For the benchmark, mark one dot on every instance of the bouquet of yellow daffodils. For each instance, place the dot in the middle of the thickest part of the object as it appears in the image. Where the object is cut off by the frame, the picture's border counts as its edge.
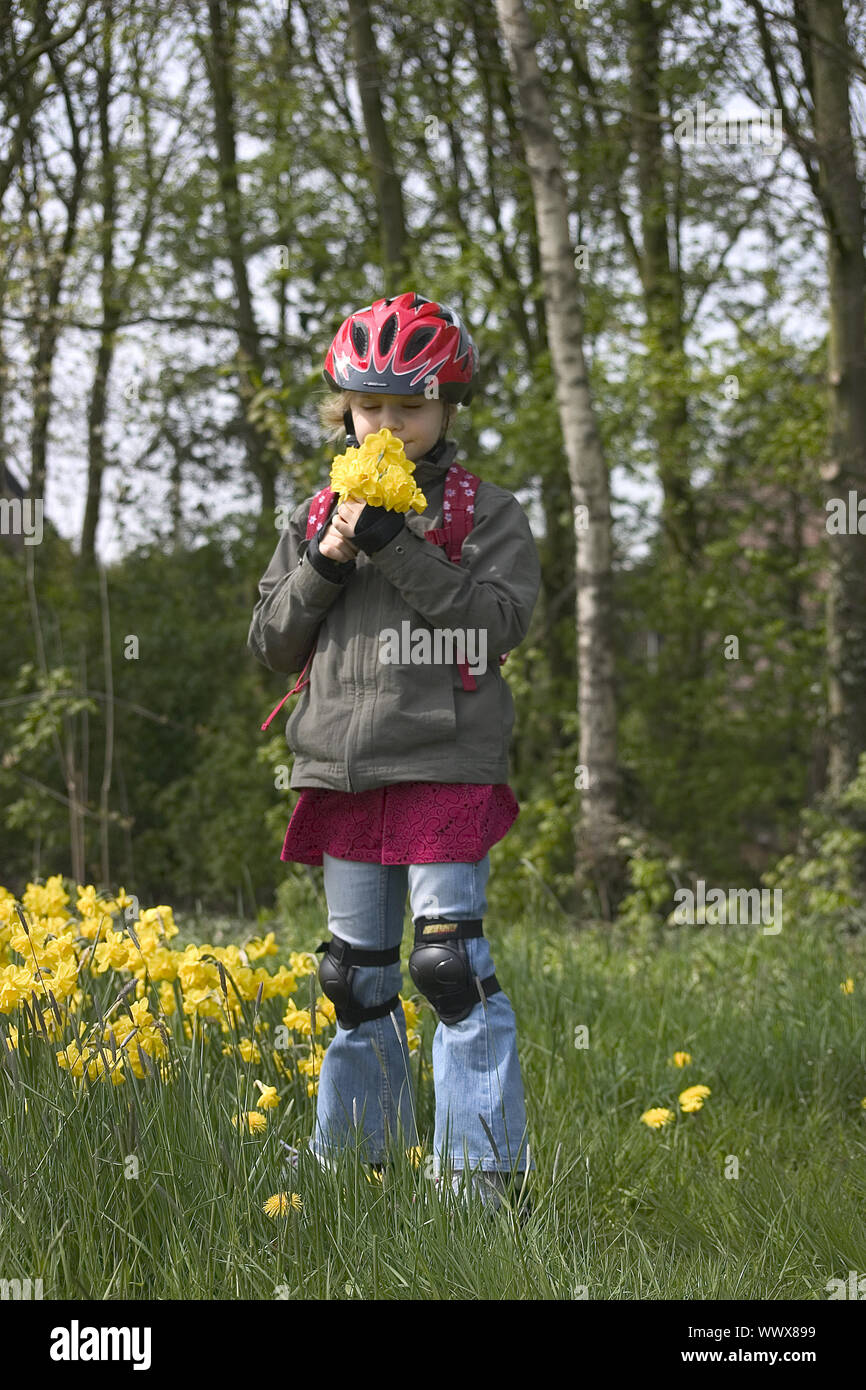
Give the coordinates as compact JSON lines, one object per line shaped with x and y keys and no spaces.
{"x":379,"y":473}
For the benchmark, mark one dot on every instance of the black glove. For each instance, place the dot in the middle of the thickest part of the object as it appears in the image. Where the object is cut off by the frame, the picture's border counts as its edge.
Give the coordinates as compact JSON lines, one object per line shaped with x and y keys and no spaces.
{"x":375,"y":527}
{"x":337,"y":571}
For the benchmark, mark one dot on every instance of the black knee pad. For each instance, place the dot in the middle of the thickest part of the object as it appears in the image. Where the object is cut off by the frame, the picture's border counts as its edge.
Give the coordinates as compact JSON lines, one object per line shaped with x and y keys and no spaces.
{"x":336,"y":975}
{"x":440,"y":967}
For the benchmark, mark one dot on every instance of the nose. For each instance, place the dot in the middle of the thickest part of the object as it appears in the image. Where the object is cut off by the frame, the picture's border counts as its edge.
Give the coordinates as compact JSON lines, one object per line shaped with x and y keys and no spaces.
{"x":392,"y":418}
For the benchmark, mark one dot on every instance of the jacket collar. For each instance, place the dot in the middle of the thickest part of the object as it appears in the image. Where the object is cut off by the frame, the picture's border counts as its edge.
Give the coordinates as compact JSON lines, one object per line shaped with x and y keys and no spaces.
{"x":426,"y":471}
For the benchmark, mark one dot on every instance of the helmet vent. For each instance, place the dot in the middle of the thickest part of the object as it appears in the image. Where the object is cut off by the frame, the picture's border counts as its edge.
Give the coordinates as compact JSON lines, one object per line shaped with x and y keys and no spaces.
{"x":419,"y":339}
{"x":360,"y":339}
{"x":387,"y":336}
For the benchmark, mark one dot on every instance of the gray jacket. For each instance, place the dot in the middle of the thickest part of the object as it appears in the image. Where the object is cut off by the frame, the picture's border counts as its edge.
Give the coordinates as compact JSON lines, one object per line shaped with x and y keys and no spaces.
{"x":369,"y":715}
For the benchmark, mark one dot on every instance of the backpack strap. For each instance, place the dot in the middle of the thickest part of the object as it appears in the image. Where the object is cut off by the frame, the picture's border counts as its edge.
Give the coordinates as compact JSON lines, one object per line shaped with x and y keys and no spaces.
{"x":458,"y":515}
{"x":319,"y":510}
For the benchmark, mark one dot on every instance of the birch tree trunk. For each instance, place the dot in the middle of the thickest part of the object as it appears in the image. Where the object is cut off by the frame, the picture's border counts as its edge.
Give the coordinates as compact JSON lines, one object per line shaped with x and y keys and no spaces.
{"x":597,"y":823}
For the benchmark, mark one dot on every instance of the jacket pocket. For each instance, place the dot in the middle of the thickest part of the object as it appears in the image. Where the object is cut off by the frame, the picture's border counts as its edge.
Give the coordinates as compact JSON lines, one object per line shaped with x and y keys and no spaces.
{"x":414,"y":706}
{"x":294,"y":736}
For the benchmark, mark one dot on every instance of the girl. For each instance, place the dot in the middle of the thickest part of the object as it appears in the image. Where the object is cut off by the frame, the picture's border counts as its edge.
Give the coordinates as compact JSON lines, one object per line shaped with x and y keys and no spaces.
{"x":403,"y":765}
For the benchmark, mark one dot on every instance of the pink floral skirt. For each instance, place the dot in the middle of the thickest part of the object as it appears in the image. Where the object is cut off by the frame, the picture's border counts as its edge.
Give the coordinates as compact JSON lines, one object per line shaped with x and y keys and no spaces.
{"x":404,"y":823}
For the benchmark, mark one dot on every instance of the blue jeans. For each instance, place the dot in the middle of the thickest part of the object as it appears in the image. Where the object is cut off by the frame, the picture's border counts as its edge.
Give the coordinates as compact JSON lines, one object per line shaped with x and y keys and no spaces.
{"x":365,"y":1082}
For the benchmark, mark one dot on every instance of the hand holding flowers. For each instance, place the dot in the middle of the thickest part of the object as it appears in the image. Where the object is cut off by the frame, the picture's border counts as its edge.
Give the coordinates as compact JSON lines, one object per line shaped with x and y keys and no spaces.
{"x":374,"y":478}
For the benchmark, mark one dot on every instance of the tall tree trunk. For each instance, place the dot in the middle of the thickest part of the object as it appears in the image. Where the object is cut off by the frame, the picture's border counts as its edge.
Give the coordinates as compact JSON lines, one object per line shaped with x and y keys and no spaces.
{"x":108,"y":677}
{"x":597,"y":827}
{"x":111,"y":309}
{"x":682,"y":656}
{"x":48,"y":317}
{"x":389,"y":194}
{"x":662,"y":289}
{"x":557,"y":554}
{"x":831,"y":168}
{"x":219,"y":57}
{"x":843,"y":209}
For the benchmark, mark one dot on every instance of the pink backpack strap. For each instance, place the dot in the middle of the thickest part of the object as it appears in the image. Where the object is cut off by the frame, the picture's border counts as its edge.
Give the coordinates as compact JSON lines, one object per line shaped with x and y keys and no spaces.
{"x":458,"y":515}
{"x":319,"y":508}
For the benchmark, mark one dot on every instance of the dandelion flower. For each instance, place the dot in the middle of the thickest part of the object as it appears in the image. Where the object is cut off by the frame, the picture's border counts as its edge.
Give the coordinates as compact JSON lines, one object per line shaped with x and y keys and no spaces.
{"x":693,"y":1098}
{"x":282,"y":1203}
{"x":656,"y":1118}
{"x":847,"y":986}
{"x":254,"y":1122}
{"x":681,"y":1059}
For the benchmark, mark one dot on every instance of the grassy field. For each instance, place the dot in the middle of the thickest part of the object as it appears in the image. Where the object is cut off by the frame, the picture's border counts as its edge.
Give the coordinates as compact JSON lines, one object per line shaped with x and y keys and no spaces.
{"x":621,"y":1210}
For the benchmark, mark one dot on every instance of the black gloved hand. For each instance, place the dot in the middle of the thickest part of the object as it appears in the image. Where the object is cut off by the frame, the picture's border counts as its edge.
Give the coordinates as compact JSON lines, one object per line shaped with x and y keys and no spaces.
{"x":375,"y":527}
{"x":337,"y":571}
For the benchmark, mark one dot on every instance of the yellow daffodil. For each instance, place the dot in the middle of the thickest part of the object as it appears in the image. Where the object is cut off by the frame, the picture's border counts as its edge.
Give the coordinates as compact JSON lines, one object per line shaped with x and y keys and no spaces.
{"x":693,"y":1098}
{"x":46,"y":900}
{"x":298,"y":1020}
{"x":249,"y":1050}
{"x":113,"y":952}
{"x":268,"y":1099}
{"x":847,"y":986}
{"x":87,"y":902}
{"x":282,"y":982}
{"x":379,"y":473}
{"x":16,"y":982}
{"x":303,"y":963}
{"x":257,"y":948}
{"x":410,"y":1011}
{"x":71,"y":1059}
{"x":656,"y":1118}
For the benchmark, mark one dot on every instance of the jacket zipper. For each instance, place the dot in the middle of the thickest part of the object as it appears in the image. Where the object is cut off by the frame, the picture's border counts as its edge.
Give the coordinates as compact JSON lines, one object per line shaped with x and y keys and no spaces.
{"x":355,"y":706}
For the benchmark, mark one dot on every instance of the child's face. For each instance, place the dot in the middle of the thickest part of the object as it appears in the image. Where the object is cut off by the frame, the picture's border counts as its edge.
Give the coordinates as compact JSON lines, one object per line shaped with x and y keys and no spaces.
{"x":413,"y":419}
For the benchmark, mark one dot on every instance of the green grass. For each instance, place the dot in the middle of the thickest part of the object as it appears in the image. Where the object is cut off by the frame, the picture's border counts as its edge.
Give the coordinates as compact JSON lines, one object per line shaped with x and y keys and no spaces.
{"x":633,"y":1213}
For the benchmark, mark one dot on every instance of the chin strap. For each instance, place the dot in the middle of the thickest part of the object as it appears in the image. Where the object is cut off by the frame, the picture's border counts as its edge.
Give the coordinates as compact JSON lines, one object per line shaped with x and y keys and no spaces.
{"x":352,"y":441}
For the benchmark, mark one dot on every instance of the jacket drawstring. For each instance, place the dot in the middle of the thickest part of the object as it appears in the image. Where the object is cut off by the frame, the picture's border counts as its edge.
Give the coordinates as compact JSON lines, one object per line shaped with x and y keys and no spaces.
{"x":298,"y":685}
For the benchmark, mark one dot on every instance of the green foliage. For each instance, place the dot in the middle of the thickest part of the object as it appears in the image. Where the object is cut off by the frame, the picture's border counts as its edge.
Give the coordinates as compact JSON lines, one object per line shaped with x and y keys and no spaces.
{"x":824,"y":880}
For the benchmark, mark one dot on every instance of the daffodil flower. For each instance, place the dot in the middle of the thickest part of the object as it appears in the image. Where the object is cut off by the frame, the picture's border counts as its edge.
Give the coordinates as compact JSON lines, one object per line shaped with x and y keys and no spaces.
{"x":378,"y":473}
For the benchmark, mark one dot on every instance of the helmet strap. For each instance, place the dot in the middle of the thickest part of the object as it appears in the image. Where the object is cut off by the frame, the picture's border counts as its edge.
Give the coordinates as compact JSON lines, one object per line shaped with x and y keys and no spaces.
{"x":351,"y":438}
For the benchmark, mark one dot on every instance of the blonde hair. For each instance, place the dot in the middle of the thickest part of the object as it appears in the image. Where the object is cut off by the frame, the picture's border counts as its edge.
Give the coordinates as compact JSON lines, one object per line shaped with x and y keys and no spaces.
{"x":334,"y":404}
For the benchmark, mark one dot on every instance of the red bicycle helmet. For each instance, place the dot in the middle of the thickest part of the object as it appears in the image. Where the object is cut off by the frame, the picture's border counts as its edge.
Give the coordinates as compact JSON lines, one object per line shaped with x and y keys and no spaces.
{"x":396,"y":345}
